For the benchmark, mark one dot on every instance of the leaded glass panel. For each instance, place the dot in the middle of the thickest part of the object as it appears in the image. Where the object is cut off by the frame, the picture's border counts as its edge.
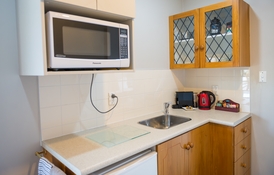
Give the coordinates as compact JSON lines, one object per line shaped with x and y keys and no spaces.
{"x":184,"y":49}
{"x":219,"y":35}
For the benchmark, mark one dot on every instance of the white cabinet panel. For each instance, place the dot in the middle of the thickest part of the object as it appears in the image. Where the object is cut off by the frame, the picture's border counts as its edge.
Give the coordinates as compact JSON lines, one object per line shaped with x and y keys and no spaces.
{"x":120,"y":7}
{"x":32,"y":34}
{"x":83,"y":3}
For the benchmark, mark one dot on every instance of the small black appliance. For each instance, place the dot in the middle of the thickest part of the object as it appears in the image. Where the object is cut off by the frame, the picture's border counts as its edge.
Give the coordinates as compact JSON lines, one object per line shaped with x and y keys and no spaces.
{"x":183,"y":99}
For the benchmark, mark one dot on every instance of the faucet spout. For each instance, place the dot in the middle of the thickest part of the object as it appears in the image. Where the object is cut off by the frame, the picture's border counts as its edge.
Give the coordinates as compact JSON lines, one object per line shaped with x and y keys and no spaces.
{"x":167,"y":116}
{"x":166,"y":105}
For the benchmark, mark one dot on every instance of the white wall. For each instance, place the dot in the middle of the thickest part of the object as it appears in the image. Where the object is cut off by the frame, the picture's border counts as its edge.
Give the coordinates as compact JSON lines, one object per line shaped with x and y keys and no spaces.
{"x":151,"y":40}
{"x":261,"y":16}
{"x":261,"y":94}
{"x":19,"y":117}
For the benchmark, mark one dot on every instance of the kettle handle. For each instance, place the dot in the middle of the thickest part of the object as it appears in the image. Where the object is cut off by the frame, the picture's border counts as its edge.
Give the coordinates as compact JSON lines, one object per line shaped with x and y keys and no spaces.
{"x":211,"y":94}
{"x":214,"y":98}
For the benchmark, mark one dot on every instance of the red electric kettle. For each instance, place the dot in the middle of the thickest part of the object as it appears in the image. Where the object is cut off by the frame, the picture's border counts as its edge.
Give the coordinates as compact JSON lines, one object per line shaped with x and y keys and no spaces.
{"x":205,"y":100}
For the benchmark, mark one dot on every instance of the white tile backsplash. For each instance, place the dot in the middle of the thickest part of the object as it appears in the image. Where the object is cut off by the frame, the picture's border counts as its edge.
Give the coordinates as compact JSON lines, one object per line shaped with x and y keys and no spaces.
{"x":51,"y":132}
{"x":49,"y":81}
{"x":70,"y":113}
{"x":65,"y":105}
{"x":51,"y":117}
{"x":233,"y":83}
{"x":70,"y":94}
{"x":69,"y":79}
{"x":50,"y":96}
{"x":227,"y":72}
{"x":72,"y":128}
{"x":214,"y":72}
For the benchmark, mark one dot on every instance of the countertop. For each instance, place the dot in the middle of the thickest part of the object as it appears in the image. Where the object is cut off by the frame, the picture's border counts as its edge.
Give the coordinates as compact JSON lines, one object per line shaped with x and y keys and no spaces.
{"x":84,"y":156}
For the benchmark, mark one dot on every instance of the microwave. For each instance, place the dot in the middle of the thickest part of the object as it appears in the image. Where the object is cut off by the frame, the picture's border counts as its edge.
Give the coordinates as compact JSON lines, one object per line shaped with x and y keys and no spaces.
{"x":76,"y":42}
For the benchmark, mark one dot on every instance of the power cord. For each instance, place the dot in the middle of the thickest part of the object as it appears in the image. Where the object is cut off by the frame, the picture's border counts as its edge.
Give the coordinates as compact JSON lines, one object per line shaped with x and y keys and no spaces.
{"x":90,"y":96}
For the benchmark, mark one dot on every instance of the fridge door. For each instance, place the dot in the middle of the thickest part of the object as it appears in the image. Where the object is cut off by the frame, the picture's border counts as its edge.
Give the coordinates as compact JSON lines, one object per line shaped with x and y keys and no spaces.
{"x":139,"y":164}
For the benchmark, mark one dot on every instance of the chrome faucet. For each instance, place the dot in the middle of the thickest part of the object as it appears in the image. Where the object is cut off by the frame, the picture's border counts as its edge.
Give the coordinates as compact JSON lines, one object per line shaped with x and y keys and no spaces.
{"x":167,"y":117}
{"x":166,"y":105}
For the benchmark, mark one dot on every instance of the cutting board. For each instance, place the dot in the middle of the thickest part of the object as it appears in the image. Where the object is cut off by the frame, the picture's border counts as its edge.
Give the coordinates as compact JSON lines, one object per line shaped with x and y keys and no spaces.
{"x":110,"y":137}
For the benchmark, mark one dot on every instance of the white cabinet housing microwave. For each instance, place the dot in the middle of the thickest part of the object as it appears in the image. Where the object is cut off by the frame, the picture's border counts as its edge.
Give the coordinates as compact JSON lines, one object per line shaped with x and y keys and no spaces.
{"x":31,"y":24}
{"x":77,"y":43}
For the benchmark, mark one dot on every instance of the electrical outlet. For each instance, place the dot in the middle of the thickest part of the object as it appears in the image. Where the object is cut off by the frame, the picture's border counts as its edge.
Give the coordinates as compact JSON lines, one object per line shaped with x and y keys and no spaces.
{"x":262,"y":76}
{"x":215,"y":89}
{"x":111,"y":101}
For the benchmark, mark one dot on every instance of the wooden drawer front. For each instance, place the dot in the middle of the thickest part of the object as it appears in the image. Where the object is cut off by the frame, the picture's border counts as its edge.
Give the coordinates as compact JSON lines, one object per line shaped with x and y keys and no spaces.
{"x":242,"y":130}
{"x":242,"y":166}
{"x":242,"y":147}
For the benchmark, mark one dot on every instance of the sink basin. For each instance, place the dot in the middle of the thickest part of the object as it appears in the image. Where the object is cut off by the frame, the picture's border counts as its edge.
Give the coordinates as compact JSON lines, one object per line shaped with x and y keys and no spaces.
{"x":160,"y":122}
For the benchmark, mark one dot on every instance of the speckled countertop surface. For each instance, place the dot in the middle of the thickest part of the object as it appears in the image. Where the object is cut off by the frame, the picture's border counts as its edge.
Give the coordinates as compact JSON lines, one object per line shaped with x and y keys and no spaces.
{"x":84,"y":156}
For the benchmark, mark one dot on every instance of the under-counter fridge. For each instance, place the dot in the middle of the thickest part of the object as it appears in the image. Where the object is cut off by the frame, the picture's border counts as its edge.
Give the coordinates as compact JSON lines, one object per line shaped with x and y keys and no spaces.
{"x":144,"y":163}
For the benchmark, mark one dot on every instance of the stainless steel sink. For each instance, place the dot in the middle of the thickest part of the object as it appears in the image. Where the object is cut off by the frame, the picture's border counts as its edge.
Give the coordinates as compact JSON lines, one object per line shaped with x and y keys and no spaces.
{"x":164,"y":122}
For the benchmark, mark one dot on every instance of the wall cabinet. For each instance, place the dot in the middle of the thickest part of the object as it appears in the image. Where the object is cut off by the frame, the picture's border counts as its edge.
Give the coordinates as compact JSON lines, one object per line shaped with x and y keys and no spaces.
{"x":82,"y":3}
{"x":185,"y":154}
{"x":32,"y":35}
{"x":119,"y":7}
{"x":210,"y":149}
{"x":212,"y":36}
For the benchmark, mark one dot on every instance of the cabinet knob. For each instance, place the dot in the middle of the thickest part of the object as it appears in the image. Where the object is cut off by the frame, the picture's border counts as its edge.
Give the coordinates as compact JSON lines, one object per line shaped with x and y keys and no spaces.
{"x":244,"y":130}
{"x":202,"y":47}
{"x":196,"y":48}
{"x":191,"y":145}
{"x":187,"y":146}
{"x":244,"y":147}
{"x":243,"y":165}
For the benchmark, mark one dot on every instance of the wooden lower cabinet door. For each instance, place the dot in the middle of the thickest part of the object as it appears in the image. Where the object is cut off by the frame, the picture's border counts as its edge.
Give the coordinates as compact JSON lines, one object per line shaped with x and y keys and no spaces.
{"x":200,"y":153}
{"x":173,"y":156}
{"x":222,"y":146}
{"x":187,"y":154}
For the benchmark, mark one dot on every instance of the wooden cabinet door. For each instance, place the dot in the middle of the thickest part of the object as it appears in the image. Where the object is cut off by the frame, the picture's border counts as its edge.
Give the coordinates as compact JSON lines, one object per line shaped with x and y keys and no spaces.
{"x":188,"y":154}
{"x":82,"y":3}
{"x":120,"y":7}
{"x":222,"y":147}
{"x":230,"y":46}
{"x":199,"y":154}
{"x":216,"y":48}
{"x":184,"y":40}
{"x":173,"y":156}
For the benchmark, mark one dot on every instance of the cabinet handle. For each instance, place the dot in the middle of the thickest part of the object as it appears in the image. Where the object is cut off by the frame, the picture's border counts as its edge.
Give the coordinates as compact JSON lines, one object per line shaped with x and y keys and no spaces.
{"x":202,"y":47}
{"x":187,"y":146}
{"x":191,"y":145}
{"x":243,"y":165}
{"x":196,"y":48}
{"x":244,"y":130}
{"x":244,"y":147}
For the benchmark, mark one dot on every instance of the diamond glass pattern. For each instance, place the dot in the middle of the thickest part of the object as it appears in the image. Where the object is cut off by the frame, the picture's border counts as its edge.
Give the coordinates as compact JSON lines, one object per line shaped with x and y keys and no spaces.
{"x":219,"y":46}
{"x":184,"y":40}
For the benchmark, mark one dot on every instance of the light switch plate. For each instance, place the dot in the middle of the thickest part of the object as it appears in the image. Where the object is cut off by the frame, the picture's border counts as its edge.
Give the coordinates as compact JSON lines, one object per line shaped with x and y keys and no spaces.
{"x":262,"y":76}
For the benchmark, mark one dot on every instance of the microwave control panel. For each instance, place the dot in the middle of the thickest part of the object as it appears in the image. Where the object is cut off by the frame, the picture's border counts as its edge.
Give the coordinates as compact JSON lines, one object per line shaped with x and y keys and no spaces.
{"x":124,"y":43}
